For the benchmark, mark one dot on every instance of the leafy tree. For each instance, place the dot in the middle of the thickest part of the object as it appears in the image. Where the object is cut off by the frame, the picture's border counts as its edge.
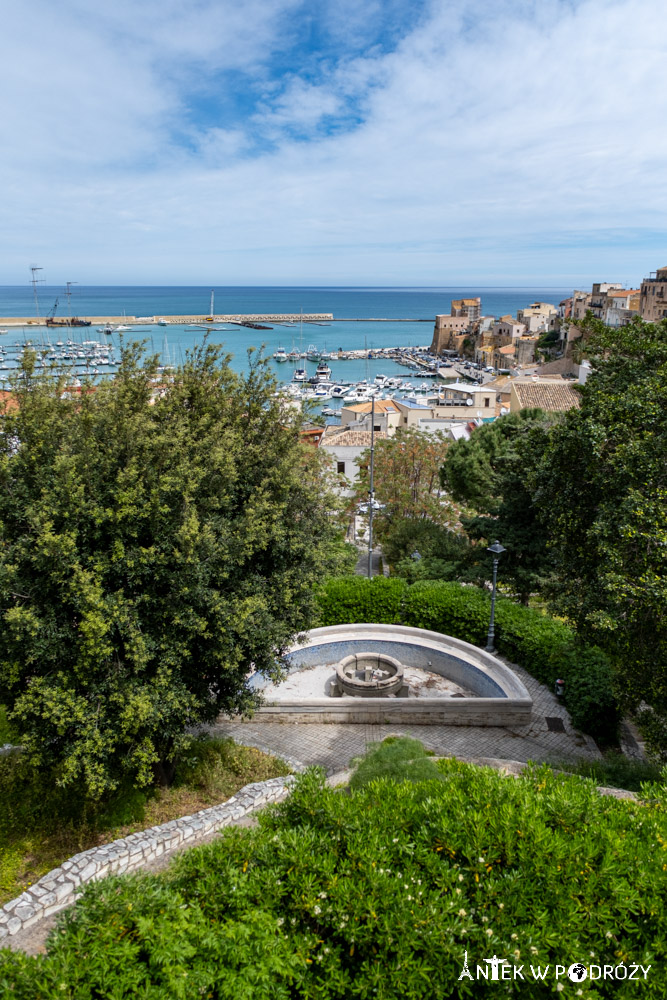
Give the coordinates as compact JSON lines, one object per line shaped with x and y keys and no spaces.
{"x":159,"y":536}
{"x":418,"y":549}
{"x":602,"y":488}
{"x":406,"y":478}
{"x":490,"y":474}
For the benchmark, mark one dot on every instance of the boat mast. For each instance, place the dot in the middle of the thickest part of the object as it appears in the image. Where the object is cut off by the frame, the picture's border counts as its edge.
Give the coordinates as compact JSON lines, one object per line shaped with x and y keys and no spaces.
{"x":68,"y":293}
{"x":210,"y":312}
{"x":34,"y":281}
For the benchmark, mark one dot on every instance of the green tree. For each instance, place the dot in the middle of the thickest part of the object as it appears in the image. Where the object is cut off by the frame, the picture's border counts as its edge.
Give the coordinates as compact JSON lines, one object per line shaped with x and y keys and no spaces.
{"x":602,"y":489}
{"x":416,"y":512}
{"x":406,"y":478}
{"x":491,"y":474}
{"x":159,"y":536}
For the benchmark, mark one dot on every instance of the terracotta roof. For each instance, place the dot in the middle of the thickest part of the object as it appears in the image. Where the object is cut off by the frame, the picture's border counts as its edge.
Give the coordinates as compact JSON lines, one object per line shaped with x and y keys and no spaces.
{"x":556,"y":395}
{"x":342,"y":438}
{"x":381,"y":406}
{"x":623,"y":293}
{"x":8,"y":402}
{"x":507,"y":350}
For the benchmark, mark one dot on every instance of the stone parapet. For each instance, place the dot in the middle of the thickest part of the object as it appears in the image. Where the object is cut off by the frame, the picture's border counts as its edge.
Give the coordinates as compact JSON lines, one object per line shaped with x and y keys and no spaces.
{"x":60,"y":887}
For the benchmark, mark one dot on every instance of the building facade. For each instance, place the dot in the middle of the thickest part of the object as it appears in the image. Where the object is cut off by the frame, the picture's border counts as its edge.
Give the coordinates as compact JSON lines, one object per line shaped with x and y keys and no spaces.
{"x":653,"y":296}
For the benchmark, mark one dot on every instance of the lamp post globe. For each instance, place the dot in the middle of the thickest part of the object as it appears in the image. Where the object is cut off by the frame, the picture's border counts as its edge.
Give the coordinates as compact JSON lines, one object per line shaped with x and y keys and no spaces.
{"x":497,"y":550}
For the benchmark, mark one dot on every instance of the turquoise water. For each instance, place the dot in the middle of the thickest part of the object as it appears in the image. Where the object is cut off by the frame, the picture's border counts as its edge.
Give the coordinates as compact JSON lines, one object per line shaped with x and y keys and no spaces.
{"x":420,"y":305}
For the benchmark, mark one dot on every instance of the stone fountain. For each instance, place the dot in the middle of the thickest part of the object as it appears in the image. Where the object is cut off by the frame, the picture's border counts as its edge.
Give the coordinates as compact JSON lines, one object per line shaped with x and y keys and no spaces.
{"x":369,"y":675}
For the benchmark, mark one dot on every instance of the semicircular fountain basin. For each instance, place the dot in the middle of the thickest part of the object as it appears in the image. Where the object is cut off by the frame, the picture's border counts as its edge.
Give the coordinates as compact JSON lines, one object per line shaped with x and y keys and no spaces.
{"x":483,"y":691}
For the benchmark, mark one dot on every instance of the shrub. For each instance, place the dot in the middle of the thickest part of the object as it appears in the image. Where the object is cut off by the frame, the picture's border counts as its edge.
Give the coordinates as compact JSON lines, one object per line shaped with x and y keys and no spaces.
{"x":450,"y":608}
{"x":395,"y":759}
{"x":357,"y":599}
{"x":378,"y":894}
{"x":615,"y":770}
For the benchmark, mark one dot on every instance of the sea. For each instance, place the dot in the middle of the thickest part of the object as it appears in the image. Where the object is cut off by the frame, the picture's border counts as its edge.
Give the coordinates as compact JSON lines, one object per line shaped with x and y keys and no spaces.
{"x":363,"y":319}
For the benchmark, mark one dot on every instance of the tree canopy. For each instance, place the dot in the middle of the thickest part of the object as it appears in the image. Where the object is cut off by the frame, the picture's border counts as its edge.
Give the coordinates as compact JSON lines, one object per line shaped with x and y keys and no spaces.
{"x":406,"y":477}
{"x":602,"y":490}
{"x":160,"y":535}
{"x":491,"y":474}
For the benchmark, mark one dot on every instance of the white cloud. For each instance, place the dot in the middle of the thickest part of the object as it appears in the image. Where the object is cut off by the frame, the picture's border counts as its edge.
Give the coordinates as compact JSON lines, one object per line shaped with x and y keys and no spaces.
{"x":495,"y":139}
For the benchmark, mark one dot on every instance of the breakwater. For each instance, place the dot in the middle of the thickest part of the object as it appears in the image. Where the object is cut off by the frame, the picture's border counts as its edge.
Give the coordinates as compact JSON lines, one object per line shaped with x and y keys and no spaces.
{"x":292,"y":318}
{"x":287,"y":318}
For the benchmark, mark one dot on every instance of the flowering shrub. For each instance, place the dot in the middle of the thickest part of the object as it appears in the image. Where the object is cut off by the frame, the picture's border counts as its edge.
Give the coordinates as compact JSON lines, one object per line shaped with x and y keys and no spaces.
{"x":378,"y":894}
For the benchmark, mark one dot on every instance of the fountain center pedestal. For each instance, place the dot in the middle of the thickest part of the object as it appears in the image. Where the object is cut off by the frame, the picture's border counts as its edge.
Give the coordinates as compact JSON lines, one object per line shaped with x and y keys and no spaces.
{"x":369,"y":675}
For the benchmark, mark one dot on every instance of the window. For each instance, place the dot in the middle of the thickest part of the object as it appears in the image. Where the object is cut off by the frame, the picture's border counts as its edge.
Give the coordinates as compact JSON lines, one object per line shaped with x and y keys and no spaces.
{"x":341,"y":467}
{"x":405,"y":420}
{"x":486,"y":401}
{"x":377,"y":427}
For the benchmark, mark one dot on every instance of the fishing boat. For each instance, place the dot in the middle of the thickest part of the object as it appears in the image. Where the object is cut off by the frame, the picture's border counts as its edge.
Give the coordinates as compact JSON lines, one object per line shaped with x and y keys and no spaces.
{"x":313,"y":353}
{"x":280,"y":355}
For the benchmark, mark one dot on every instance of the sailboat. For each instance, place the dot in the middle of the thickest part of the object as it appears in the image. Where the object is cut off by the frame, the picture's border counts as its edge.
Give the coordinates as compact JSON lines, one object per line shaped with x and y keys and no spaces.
{"x":209,"y":318}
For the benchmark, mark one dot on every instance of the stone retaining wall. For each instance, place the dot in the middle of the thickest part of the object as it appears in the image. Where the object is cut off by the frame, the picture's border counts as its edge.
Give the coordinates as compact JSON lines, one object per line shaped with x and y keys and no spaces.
{"x":59,"y":888}
{"x":399,"y":711}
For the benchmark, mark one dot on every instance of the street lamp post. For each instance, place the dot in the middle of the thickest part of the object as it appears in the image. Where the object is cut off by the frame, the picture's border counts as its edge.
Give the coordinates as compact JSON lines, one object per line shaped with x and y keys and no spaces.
{"x":371,"y":493}
{"x":497,"y":550}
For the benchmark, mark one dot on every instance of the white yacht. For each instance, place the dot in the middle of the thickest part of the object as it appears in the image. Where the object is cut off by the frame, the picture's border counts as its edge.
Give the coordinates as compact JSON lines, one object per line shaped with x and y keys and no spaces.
{"x":280,"y":354}
{"x":299,"y":375}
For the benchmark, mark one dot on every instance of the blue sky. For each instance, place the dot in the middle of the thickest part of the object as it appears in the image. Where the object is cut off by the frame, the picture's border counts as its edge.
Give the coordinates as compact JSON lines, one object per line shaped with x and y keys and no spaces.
{"x":434,"y":142}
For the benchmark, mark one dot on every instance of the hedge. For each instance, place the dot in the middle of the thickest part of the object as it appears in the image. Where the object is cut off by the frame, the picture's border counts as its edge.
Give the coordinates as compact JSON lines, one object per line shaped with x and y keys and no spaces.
{"x":357,"y":599}
{"x":548,"y":649}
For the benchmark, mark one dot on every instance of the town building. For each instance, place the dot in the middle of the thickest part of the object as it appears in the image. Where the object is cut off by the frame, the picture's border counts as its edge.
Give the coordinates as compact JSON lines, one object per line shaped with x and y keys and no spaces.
{"x":581,"y":303}
{"x":345,"y":447}
{"x":471,"y":309}
{"x":620,"y":306}
{"x":383,"y":413}
{"x":449,"y":333}
{"x":538,"y":317}
{"x":653,"y":296}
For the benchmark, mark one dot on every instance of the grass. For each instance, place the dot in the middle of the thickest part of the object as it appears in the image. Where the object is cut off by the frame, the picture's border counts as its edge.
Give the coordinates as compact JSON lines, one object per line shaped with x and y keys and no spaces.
{"x":614,"y":771}
{"x":41,"y":825}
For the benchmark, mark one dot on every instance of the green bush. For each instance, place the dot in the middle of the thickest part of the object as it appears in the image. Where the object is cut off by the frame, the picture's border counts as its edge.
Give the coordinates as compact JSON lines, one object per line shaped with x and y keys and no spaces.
{"x":547,"y":648}
{"x":589,"y":696}
{"x":357,"y":599}
{"x":396,"y":759}
{"x":615,"y":770}
{"x":379,"y":894}
{"x":461,"y":611}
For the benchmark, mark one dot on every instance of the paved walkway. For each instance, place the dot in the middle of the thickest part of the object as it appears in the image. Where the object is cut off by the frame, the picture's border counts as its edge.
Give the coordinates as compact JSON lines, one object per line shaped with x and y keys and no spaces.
{"x":333,"y":745}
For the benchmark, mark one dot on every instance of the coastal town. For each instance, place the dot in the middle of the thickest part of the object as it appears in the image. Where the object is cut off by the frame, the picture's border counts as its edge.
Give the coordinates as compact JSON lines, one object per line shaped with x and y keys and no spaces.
{"x":483,"y":367}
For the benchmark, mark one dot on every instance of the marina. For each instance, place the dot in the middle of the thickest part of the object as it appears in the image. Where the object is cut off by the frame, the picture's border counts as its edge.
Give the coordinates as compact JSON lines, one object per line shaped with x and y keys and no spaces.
{"x":309,"y":327}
